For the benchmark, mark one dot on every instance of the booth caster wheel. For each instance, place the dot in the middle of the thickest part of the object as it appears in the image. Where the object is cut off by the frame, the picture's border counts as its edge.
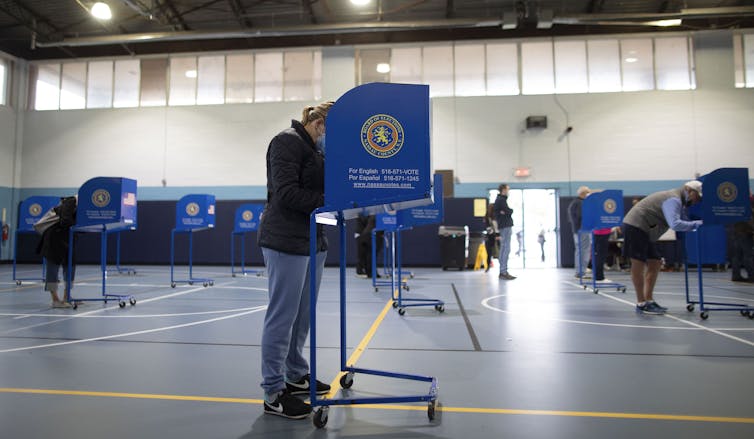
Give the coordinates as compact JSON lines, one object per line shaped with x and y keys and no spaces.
{"x":172,"y":284}
{"x":212,"y":283}
{"x":395,"y":304}
{"x":431,"y":410}
{"x":411,"y":275}
{"x":704,"y":315}
{"x":751,"y":315}
{"x":74,"y":305}
{"x":402,"y":311}
{"x":234,"y":275}
{"x":205,"y":284}
{"x":191,"y":282}
{"x":440,"y":308}
{"x":405,"y":287}
{"x":122,"y":304}
{"x":689,"y":307}
{"x":346,"y":381}
{"x":259,"y":274}
{"x":376,"y":290}
{"x":622,"y":290}
{"x":596,"y":291}
{"x":320,"y":417}
{"x":18,"y":283}
{"x":132,"y":301}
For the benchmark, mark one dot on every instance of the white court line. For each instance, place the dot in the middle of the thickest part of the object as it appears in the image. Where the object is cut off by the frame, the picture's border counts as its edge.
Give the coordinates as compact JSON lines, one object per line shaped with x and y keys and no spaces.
{"x":678,"y":319}
{"x":128,"y":334}
{"x":131,"y":316}
{"x":134,"y":284}
{"x":87,"y":313}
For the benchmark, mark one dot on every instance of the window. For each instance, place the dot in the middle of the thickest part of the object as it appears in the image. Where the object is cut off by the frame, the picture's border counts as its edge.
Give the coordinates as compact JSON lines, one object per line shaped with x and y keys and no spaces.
{"x":3,"y":82}
{"x":73,"y":86}
{"x":469,"y":70}
{"x":239,"y":77}
{"x":368,"y":62}
{"x":182,"y":81}
{"x":604,"y":65}
{"x":406,"y":65}
{"x":672,"y":67}
{"x":210,"y":87}
{"x":743,"y":52}
{"x":153,"y":82}
{"x":537,"y":76}
{"x":126,"y":83}
{"x":570,"y":67}
{"x":268,"y":77}
{"x":297,"y":76}
{"x":47,"y":87}
{"x":437,"y":68}
{"x":637,"y":64}
{"x":502,"y":69}
{"x":99,"y":87}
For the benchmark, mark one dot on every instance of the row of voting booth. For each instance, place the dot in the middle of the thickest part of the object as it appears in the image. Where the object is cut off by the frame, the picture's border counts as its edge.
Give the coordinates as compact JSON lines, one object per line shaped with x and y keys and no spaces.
{"x":725,"y":200}
{"x":108,"y":205}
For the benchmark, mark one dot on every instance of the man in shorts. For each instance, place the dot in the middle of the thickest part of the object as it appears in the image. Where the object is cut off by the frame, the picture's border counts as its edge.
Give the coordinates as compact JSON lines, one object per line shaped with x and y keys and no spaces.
{"x":643,"y":225}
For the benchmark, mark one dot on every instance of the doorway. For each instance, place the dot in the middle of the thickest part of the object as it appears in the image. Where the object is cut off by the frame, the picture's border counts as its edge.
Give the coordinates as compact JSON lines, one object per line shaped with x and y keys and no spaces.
{"x":534,"y":241}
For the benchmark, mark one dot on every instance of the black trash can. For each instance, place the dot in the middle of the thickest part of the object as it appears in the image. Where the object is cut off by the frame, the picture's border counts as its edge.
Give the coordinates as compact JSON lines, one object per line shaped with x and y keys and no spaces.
{"x":454,"y":245}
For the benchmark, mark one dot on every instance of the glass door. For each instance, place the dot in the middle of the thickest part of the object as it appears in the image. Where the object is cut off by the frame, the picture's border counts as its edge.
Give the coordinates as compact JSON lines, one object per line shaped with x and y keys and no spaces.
{"x":534,"y":242}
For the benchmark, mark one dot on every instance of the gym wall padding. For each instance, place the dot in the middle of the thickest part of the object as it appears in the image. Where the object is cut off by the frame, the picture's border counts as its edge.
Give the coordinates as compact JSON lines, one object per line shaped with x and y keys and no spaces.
{"x":149,"y":244}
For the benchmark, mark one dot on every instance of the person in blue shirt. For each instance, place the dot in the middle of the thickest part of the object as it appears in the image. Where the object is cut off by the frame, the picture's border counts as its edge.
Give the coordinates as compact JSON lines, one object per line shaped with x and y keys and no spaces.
{"x":643,"y":226}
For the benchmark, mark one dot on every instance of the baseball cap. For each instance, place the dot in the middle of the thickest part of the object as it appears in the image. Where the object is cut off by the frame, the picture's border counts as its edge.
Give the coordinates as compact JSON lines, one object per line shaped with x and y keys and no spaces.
{"x":694,"y":185}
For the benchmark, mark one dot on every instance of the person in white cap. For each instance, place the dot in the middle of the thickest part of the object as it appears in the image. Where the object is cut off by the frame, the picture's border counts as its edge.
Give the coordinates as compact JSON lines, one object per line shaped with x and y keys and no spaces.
{"x":643,"y":225}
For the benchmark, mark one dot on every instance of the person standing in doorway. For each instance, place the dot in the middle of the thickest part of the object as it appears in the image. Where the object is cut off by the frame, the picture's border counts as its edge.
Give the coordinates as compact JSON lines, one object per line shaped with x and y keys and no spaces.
{"x":295,"y":187}
{"x":582,"y":242}
{"x":643,"y":226}
{"x":504,"y":215}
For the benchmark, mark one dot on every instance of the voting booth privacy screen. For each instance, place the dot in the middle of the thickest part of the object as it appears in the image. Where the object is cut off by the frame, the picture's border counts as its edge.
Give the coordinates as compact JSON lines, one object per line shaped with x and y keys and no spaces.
{"x":725,"y":200}
{"x":32,"y":209}
{"x":195,"y":211}
{"x":108,"y":202}
{"x":378,"y":149}
{"x":602,"y":210}
{"x":247,"y":218}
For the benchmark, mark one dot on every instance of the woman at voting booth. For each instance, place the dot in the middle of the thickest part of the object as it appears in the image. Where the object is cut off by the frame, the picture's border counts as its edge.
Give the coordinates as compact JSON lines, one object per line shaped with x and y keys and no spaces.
{"x":54,"y":247}
{"x":295,"y":188}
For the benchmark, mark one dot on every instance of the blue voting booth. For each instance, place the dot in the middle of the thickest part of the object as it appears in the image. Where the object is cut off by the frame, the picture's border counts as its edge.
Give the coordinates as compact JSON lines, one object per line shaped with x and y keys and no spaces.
{"x":30,"y":211}
{"x":725,"y":200}
{"x":193,"y":213}
{"x":600,"y":210}
{"x":246,"y":221}
{"x":105,"y":205}
{"x":393,"y":224}
{"x":378,"y":160}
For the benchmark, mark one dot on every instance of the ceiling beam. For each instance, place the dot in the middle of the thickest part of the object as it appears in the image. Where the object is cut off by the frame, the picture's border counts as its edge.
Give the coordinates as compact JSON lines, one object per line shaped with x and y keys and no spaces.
{"x":307,"y":5}
{"x":28,"y":18}
{"x":595,"y":6}
{"x":174,"y":18}
{"x":239,"y":11}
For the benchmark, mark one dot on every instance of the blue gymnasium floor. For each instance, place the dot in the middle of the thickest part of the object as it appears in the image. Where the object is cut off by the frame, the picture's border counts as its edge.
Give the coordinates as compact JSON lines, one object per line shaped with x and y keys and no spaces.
{"x":536,"y":357}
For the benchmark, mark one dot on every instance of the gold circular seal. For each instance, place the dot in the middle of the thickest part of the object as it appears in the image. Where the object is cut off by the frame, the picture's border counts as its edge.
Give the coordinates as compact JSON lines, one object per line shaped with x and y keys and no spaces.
{"x":247,"y":215}
{"x":610,"y":205}
{"x":101,"y":198}
{"x":192,"y":209}
{"x":727,"y":192}
{"x":382,"y":136}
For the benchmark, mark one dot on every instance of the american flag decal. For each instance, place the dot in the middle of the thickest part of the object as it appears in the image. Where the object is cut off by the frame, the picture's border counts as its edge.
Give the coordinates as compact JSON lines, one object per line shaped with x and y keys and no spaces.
{"x":129,"y":199}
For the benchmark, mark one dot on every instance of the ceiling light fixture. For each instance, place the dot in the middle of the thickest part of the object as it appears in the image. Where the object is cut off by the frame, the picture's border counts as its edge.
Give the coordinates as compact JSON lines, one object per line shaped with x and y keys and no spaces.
{"x":383,"y":67}
{"x":191,"y":73}
{"x":360,"y":2}
{"x":101,"y":11}
{"x":665,"y":23}
{"x":631,"y":59}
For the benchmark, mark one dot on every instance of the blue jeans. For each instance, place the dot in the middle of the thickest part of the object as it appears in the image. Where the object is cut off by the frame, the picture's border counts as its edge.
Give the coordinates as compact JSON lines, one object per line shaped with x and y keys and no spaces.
{"x":505,"y":248}
{"x":286,"y":323}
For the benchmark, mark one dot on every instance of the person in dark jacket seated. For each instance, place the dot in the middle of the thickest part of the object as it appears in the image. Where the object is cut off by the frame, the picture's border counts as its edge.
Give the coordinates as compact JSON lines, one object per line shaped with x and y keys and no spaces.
{"x":295,"y":188}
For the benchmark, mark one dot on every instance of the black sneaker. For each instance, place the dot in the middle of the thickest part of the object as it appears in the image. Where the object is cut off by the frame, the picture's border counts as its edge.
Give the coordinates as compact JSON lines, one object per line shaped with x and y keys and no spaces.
{"x":287,"y":406}
{"x":301,"y":387}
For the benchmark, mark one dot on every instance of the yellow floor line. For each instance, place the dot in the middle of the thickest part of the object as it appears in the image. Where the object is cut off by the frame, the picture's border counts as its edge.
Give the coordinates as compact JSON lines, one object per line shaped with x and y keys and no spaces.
{"x":335,"y":384}
{"x":441,"y":408}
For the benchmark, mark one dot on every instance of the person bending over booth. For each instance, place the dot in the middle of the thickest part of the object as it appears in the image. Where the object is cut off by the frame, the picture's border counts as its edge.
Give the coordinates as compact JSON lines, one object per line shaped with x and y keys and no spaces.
{"x":643,"y":226}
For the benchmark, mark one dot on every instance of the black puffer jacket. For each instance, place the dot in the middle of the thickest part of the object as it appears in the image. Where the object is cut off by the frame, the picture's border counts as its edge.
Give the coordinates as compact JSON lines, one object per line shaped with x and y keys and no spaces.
{"x":295,"y":187}
{"x":54,"y":243}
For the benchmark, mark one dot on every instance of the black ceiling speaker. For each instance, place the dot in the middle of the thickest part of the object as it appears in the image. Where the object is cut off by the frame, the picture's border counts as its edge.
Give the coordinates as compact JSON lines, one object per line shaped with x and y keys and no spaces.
{"x":535,"y":122}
